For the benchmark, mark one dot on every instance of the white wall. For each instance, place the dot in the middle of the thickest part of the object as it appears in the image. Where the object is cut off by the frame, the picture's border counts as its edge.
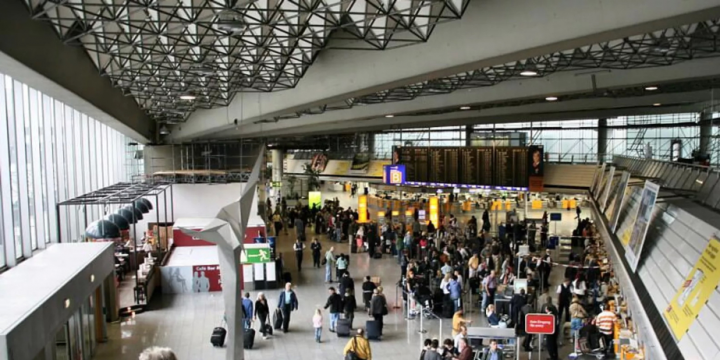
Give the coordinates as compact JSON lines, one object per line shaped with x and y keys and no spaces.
{"x":198,"y":201}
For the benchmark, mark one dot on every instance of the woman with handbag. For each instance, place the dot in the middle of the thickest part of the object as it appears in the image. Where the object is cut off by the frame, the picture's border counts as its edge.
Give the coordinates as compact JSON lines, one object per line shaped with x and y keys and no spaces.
{"x":358,"y":348}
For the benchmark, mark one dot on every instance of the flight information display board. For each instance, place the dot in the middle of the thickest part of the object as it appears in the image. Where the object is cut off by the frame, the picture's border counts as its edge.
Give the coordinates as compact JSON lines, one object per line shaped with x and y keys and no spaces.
{"x":478,"y":167}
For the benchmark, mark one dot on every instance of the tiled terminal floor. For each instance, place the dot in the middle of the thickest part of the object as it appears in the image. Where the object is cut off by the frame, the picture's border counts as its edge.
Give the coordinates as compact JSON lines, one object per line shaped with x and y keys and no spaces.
{"x":184,"y":322}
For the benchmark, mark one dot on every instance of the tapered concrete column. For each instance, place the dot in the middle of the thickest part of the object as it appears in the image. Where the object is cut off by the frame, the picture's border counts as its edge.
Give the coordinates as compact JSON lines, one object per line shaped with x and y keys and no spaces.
{"x":705,"y":131}
{"x":277,"y":164}
{"x":602,"y":140}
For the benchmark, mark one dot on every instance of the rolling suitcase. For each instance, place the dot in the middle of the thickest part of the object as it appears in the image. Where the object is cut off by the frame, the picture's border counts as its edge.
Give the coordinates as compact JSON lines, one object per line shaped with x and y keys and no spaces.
{"x":448,"y":309}
{"x":342,"y":329}
{"x":269,"y":329}
{"x":277,"y":319}
{"x":372,"y":330}
{"x":218,"y":337}
{"x":248,"y":338}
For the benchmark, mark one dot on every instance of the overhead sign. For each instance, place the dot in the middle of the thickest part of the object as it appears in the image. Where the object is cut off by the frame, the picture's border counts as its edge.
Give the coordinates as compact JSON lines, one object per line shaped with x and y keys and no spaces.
{"x":695,"y":291}
{"x":543,"y":324}
{"x":394,"y":174}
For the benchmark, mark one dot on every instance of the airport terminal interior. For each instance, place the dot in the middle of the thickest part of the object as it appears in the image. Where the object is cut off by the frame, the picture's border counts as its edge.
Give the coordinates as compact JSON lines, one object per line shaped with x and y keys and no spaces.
{"x":359,"y":179}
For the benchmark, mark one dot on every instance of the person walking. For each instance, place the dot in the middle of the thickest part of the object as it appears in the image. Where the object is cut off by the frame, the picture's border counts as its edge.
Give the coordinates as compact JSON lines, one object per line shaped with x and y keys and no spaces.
{"x":342,"y":265}
{"x":346,"y":284}
{"x":335,"y":303}
{"x":277,"y":222}
{"x":317,"y":324}
{"x":368,"y":288}
{"x":287,"y":302}
{"x":349,"y":306}
{"x":298,"y":247}
{"x":262,"y":311}
{"x":329,"y":263}
{"x":316,"y":248}
{"x":247,"y":305}
{"x":300,"y":229}
{"x":378,"y":307}
{"x":358,"y":345}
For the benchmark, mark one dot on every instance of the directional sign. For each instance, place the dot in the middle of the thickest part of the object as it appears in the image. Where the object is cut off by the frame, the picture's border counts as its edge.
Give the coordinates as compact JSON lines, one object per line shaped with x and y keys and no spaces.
{"x":540,"y":324}
{"x":257,"y":256}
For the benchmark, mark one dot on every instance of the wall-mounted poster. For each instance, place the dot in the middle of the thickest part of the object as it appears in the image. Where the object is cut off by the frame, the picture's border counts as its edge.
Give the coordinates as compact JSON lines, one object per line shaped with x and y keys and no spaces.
{"x":206,"y":278}
{"x":608,"y":186}
{"x":695,"y":291}
{"x":613,"y":212}
{"x":642,"y":220}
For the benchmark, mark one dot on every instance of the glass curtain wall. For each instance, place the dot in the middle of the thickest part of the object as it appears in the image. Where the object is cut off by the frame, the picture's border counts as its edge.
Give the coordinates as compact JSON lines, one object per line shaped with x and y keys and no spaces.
{"x":49,"y":152}
{"x":437,"y":136}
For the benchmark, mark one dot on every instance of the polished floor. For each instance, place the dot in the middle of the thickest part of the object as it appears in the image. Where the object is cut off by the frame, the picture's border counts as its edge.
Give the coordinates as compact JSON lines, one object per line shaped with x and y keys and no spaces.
{"x":185,"y":322}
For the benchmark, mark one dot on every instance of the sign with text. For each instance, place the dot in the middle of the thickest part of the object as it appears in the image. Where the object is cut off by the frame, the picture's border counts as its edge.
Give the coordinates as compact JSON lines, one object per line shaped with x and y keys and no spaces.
{"x":543,"y":324}
{"x":206,"y":278}
{"x":394,"y":174}
{"x":694,"y":291}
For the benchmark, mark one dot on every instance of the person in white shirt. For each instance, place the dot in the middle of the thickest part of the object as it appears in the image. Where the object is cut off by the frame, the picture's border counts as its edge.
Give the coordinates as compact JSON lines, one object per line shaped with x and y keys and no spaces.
{"x":446,"y":269}
{"x":444,"y":285}
{"x":461,"y":335}
{"x":579,"y":286}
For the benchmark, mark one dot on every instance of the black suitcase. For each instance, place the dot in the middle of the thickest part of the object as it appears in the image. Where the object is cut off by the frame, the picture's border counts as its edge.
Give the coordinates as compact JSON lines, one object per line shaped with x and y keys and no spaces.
{"x":342,"y":329}
{"x":269,"y":329}
{"x":372,"y":330}
{"x":277,"y":319}
{"x":218,"y":337}
{"x":248,"y":338}
{"x":377,"y":255}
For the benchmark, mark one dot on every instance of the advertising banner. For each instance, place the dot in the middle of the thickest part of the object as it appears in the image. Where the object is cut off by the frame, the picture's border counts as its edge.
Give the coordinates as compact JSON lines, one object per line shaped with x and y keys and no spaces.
{"x":394,"y":174}
{"x":597,"y":179}
{"x":613,"y":213}
{"x":319,"y":161}
{"x":695,"y":291}
{"x":377,"y":167}
{"x":206,"y":278}
{"x":536,"y":160}
{"x":360,"y":163}
{"x":315,"y":199}
{"x":636,"y":239}
{"x":608,"y":186}
{"x":362,"y":209}
{"x":434,"y":211}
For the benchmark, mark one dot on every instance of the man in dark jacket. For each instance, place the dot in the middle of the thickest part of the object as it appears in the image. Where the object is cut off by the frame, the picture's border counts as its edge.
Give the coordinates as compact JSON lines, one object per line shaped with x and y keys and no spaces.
{"x":287,"y":303}
{"x":346,"y":283}
{"x":335,"y":303}
{"x":378,"y":308}
{"x":316,"y":248}
{"x":368,"y":287}
{"x":520,"y":327}
{"x":516,"y":304}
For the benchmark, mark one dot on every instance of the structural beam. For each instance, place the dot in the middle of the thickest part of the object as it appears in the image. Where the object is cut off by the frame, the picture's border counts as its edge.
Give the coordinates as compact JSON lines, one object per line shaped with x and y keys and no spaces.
{"x":363,"y":118}
{"x":491,"y":32}
{"x":33,"y":53}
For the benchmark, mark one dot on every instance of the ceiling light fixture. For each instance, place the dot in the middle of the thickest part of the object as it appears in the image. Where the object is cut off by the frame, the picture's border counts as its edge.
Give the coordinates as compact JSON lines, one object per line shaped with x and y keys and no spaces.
{"x":657,"y":104}
{"x":67,"y":303}
{"x":389,"y":115}
{"x":464,"y":108}
{"x":551,"y":98}
{"x":651,"y":88}
{"x":187,"y":97}
{"x":164,"y":130}
{"x":528,"y":73}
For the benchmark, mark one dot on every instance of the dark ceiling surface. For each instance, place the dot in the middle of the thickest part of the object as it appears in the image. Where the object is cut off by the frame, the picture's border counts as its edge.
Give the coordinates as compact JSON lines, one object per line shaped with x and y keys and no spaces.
{"x":36,"y":45}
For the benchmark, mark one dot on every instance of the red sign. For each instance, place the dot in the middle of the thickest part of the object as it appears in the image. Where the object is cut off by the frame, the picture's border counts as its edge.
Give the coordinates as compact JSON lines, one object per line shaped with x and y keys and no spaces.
{"x":206,"y":278}
{"x":540,"y":324}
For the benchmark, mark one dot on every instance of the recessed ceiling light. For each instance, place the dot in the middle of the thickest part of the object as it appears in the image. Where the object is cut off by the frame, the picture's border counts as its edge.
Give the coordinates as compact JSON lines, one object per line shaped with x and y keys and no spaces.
{"x":551,"y":98}
{"x":92,"y":277}
{"x":187,"y":97}
{"x":389,"y":115}
{"x":67,"y":303}
{"x":529,"y":73}
{"x":464,"y":108}
{"x":651,"y":88}
{"x":657,"y":104}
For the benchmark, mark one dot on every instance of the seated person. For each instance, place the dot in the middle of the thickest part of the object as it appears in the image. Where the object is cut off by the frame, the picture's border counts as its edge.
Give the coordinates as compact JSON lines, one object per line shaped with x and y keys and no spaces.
{"x":493,"y":318}
{"x":493,"y":353}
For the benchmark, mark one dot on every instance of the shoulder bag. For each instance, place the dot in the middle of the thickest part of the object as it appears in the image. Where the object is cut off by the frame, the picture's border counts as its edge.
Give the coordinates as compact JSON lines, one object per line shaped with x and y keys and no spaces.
{"x":351,"y":354}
